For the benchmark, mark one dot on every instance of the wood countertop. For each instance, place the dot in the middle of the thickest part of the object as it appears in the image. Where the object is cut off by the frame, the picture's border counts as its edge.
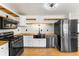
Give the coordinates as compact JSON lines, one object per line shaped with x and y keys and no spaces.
{"x":31,"y":34}
{"x":3,"y":42}
{"x":25,"y":34}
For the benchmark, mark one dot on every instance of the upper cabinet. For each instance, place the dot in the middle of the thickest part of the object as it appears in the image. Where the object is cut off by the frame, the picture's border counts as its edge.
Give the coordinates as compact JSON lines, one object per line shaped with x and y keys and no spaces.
{"x":6,"y":23}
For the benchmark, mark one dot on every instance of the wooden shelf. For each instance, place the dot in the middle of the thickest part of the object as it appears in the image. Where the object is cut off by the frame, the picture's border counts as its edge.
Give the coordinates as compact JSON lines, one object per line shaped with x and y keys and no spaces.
{"x":3,"y":42}
{"x":40,"y":23}
{"x":31,"y":19}
{"x":54,"y":19}
{"x":9,"y":19}
{"x":8,"y":11}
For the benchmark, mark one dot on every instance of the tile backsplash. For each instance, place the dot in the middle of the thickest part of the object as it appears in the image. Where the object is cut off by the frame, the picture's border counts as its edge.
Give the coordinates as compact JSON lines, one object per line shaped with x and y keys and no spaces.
{"x":35,"y":28}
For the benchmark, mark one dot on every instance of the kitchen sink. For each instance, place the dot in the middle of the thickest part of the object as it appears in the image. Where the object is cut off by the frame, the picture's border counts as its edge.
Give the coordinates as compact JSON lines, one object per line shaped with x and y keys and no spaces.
{"x":39,"y":36}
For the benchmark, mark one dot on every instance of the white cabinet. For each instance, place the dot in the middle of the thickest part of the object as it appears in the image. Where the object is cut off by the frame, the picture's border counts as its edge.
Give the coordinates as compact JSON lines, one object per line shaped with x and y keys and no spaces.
{"x":42,"y":43}
{"x":36,"y":43}
{"x":4,"y":50}
{"x":29,"y":41}
{"x":39,"y":43}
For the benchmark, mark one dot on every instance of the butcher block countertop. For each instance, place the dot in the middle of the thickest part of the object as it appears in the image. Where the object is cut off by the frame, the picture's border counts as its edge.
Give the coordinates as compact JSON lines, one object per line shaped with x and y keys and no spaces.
{"x":3,"y":42}
{"x":25,"y":34}
{"x":31,"y":34}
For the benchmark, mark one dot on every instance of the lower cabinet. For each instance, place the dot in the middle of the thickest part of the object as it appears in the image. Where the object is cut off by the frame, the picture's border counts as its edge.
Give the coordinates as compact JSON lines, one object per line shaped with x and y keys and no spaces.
{"x":4,"y":50}
{"x":27,"y":41}
{"x":35,"y":43}
{"x":39,"y":42}
{"x":42,"y":43}
{"x":30,"y":42}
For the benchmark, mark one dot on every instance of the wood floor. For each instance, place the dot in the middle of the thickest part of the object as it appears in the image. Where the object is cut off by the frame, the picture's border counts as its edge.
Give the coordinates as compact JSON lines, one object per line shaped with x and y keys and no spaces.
{"x":47,"y":52}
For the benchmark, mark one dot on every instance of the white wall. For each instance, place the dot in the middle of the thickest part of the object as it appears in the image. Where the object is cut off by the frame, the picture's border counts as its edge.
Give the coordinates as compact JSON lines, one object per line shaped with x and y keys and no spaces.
{"x":34,"y":28}
{"x":74,"y":15}
{"x":39,"y":19}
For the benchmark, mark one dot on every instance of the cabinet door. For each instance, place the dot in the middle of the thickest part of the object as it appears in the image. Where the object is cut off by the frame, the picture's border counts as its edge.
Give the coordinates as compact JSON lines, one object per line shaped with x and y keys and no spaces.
{"x":4,"y":50}
{"x":36,"y":43}
{"x":39,"y":42}
{"x":28,"y":41}
{"x":42,"y":43}
{"x":25,"y":38}
{"x":30,"y":37}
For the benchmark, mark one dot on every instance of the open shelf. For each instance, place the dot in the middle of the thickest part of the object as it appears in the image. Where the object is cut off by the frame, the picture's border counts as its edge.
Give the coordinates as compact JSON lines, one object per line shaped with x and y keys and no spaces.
{"x":31,"y":19}
{"x":8,"y":11}
{"x":54,"y":19}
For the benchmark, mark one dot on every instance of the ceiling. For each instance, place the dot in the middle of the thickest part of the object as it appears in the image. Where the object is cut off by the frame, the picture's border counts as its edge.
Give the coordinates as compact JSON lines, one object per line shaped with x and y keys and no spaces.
{"x":39,"y":9}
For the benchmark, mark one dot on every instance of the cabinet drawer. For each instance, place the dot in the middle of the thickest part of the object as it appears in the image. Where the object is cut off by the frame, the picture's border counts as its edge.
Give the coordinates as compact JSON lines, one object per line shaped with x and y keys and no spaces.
{"x":42,"y":43}
{"x":28,"y":37}
{"x":4,"y":53}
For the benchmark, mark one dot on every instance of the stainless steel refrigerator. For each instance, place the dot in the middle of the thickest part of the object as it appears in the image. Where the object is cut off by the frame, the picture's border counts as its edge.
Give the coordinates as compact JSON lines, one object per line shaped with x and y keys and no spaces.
{"x":67,"y":35}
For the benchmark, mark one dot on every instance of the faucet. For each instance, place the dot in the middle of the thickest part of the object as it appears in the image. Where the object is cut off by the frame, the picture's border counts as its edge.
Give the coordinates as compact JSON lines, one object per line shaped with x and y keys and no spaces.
{"x":39,"y":30}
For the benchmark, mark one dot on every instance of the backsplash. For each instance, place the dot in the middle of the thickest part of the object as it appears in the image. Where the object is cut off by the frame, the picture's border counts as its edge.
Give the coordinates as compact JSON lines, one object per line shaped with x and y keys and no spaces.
{"x":35,"y":28}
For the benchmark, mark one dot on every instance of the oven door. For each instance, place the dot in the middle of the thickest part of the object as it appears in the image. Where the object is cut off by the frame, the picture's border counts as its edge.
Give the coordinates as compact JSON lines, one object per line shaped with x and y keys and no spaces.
{"x":17,"y":46}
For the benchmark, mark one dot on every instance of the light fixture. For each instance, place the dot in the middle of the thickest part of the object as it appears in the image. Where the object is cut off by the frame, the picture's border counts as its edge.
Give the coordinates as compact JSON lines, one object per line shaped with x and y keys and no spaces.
{"x":50,"y":6}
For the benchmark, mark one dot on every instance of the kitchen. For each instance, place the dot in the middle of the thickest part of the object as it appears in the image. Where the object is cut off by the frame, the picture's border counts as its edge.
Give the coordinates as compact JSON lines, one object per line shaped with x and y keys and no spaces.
{"x":41,"y":28}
